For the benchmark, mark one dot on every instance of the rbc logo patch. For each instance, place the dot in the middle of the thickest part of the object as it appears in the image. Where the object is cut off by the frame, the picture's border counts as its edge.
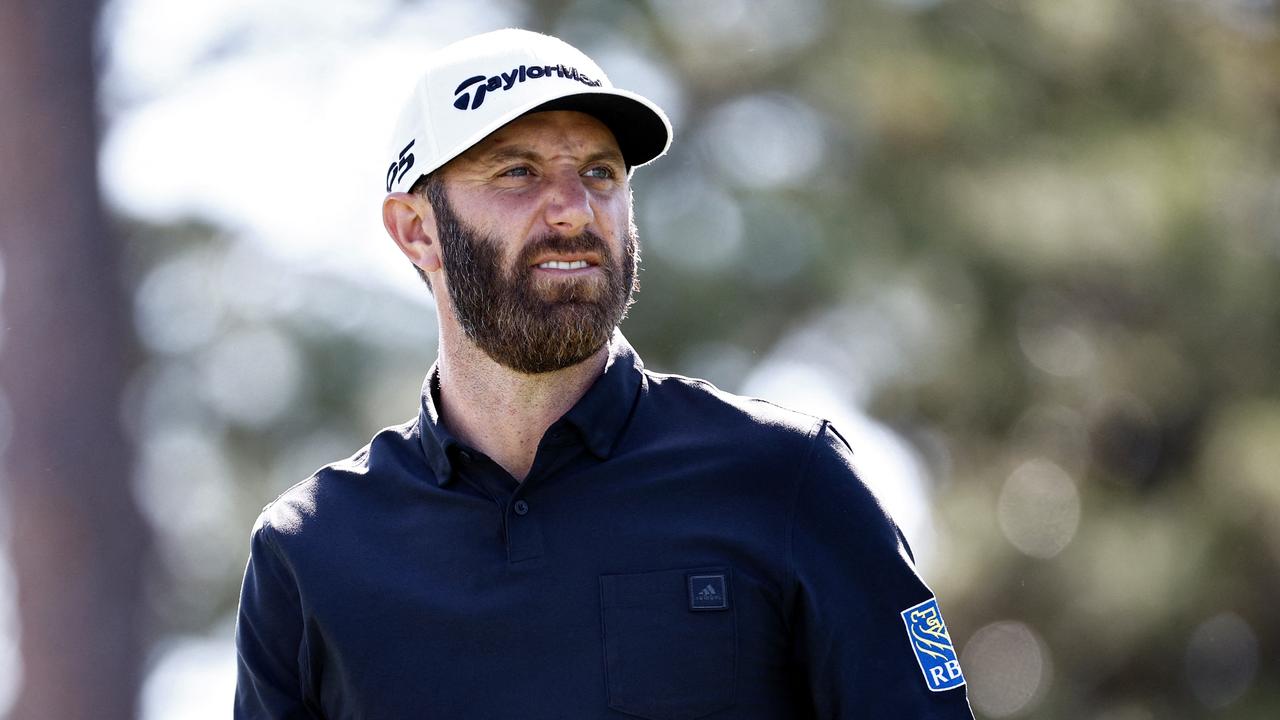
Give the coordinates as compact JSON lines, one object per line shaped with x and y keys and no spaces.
{"x":932,"y":645}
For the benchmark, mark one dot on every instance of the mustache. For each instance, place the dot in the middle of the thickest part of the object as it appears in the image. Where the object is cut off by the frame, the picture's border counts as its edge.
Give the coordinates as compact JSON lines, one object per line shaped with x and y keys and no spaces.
{"x":585,"y":241}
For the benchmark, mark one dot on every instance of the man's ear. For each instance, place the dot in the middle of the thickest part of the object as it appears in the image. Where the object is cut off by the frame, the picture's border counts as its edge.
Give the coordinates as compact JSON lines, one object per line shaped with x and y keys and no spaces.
{"x":411,"y":223}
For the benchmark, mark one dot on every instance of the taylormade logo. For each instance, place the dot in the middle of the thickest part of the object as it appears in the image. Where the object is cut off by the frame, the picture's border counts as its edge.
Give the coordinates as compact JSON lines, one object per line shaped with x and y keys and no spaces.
{"x":507,"y":80}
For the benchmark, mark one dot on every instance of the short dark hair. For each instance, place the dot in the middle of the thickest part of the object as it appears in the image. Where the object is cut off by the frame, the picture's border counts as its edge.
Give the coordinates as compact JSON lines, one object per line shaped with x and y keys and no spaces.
{"x":431,"y":187}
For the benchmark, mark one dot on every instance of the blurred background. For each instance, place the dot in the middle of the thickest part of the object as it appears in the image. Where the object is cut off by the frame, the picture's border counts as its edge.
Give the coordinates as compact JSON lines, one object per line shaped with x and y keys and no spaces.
{"x":1025,"y":252}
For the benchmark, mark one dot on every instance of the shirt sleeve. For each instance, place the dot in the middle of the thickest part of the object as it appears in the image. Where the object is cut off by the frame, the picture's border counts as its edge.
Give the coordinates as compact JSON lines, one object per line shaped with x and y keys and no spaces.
{"x":867,"y":630}
{"x":269,"y":638}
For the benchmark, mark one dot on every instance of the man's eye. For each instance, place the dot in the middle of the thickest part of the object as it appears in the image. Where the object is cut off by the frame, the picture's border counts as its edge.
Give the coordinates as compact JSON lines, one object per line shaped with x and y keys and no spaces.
{"x":520,"y":171}
{"x":602,"y":172}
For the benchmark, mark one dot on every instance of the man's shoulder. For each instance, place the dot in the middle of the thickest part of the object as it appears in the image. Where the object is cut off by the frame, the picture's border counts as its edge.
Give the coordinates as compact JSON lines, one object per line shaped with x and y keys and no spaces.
{"x":701,"y":401}
{"x":337,"y":488}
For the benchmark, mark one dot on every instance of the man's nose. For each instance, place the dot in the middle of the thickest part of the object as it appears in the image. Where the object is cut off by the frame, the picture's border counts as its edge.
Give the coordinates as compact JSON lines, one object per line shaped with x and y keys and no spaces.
{"x":568,"y":208}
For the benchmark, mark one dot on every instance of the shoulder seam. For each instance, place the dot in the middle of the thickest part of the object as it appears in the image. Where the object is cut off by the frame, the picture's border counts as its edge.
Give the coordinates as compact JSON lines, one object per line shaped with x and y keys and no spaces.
{"x":802,"y":475}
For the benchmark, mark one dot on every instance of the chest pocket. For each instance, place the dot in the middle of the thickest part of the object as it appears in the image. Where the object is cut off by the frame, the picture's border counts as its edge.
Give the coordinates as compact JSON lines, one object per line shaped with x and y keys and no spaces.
{"x":670,"y":642}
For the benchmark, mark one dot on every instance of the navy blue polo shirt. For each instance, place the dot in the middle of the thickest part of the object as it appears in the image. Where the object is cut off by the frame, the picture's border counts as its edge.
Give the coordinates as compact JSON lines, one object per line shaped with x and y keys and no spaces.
{"x":675,"y":552}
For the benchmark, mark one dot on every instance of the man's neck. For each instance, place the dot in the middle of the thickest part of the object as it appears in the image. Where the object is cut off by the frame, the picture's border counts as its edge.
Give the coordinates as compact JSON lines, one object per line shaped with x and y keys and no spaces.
{"x":504,"y":413}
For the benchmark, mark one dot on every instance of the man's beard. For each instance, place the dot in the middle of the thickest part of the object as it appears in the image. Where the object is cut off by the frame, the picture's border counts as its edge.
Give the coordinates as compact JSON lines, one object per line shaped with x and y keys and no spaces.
{"x":524,"y":323}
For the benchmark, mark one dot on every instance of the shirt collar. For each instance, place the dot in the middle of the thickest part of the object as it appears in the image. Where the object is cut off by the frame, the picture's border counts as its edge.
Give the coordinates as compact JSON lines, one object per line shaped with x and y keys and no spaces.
{"x":599,"y":416}
{"x":437,"y":441}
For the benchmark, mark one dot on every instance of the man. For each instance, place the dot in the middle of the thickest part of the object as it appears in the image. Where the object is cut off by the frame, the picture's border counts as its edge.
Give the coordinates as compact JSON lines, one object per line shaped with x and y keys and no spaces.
{"x":562,"y":533}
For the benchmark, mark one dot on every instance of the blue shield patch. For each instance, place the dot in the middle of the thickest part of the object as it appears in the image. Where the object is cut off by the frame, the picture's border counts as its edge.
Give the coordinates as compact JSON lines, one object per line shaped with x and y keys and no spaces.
{"x":932,"y":645}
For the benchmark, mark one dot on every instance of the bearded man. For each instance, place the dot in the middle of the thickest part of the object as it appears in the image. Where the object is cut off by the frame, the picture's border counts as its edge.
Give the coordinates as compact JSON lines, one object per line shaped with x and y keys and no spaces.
{"x":561,"y":533}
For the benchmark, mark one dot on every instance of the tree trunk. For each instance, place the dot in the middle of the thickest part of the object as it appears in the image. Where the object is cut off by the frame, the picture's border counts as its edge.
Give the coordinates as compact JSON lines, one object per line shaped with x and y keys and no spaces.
{"x":78,"y":541}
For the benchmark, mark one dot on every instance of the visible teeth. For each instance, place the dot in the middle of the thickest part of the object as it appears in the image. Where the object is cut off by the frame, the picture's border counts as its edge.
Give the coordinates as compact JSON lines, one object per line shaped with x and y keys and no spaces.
{"x":563,"y":265}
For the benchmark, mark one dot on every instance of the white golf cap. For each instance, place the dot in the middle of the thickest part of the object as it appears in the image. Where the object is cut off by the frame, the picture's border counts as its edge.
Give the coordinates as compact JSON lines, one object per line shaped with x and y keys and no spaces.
{"x":479,"y":84}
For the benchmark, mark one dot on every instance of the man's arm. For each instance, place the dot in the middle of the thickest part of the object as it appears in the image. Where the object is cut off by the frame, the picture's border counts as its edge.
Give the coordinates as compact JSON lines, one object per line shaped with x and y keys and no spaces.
{"x":867,"y":630}
{"x":269,"y":638}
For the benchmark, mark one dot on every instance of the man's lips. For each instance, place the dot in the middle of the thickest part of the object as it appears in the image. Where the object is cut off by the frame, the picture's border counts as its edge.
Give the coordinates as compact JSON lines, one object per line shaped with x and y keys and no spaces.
{"x":566,"y":262}
{"x":563,"y":265}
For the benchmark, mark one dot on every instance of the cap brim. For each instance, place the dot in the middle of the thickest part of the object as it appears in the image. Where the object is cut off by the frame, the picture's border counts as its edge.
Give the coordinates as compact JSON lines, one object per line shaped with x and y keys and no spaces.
{"x":641,"y":128}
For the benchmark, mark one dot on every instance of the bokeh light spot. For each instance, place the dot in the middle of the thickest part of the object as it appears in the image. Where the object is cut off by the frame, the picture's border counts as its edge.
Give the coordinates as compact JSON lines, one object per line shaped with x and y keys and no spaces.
{"x":1050,"y":340}
{"x":765,"y":141}
{"x":692,"y":224}
{"x":1221,"y":660}
{"x":1039,"y":509}
{"x":178,"y":306}
{"x":251,"y":376}
{"x":1008,"y":669}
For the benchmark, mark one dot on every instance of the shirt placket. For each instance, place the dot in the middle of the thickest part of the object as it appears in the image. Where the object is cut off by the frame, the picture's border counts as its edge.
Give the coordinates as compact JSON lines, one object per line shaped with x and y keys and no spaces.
{"x":521,"y":528}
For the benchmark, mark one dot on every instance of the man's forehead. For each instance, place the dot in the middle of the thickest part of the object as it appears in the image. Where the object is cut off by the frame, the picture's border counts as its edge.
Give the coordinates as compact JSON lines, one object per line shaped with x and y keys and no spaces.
{"x":546,"y":133}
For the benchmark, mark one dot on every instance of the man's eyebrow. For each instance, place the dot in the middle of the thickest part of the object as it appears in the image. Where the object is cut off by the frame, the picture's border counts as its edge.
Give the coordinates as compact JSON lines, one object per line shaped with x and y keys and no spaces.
{"x":508,"y":154}
{"x":606,"y":155}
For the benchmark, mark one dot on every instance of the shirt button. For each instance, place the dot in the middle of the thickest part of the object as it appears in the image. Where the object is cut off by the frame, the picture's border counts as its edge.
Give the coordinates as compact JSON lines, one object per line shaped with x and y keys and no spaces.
{"x":521,"y":507}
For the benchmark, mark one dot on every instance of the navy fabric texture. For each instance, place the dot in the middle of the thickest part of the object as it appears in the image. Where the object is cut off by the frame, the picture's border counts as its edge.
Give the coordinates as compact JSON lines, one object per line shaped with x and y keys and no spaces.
{"x":676,"y":552}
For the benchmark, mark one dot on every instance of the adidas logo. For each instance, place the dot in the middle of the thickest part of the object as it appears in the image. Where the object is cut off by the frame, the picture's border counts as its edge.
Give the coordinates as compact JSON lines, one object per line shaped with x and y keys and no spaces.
{"x":708,"y":592}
